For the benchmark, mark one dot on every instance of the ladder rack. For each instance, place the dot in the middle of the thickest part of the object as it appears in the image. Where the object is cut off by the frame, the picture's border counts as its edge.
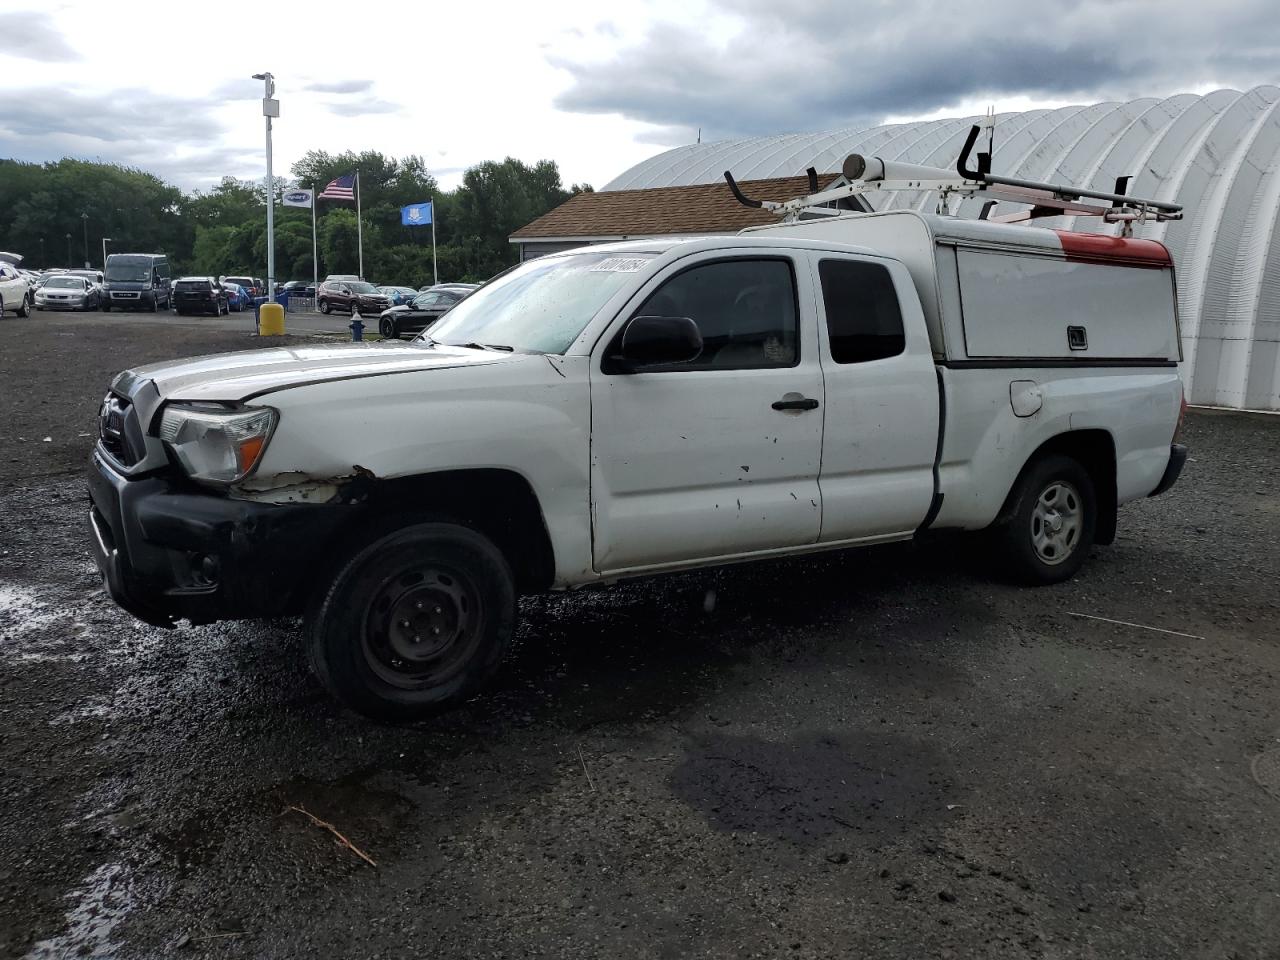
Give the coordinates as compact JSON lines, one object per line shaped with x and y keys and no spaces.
{"x":869,"y":175}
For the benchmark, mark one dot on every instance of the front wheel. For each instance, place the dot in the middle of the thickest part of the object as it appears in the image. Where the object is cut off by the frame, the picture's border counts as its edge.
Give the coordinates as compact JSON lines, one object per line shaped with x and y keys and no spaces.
{"x":387,"y":328}
{"x":324,"y":307}
{"x":1049,"y":531}
{"x":414,"y":623}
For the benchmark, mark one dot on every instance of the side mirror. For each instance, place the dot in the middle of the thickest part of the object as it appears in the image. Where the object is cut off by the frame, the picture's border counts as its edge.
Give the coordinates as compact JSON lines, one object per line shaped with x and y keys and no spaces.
{"x":656,"y":341}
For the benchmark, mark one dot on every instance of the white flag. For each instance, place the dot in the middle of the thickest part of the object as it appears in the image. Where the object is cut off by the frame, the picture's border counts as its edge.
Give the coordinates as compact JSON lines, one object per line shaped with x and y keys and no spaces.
{"x":297,"y":198}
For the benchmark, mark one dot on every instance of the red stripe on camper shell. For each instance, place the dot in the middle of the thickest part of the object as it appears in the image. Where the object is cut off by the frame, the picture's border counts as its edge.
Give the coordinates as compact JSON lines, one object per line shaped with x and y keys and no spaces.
{"x":1127,"y":251}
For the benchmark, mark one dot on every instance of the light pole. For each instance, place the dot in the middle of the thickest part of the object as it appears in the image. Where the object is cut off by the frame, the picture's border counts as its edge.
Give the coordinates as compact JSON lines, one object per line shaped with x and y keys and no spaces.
{"x":68,"y":248}
{"x":104,"y":254}
{"x":270,"y":110}
{"x":84,"y":220}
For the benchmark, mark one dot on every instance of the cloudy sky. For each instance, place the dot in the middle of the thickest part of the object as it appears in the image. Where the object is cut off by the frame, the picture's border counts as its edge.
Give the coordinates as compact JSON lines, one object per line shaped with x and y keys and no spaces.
{"x":596,"y":87}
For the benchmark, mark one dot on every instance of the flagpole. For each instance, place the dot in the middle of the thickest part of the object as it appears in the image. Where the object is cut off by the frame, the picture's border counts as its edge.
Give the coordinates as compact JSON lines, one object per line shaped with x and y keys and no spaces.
{"x":359,"y":227}
{"x":315,"y":256}
{"x":435,"y":273}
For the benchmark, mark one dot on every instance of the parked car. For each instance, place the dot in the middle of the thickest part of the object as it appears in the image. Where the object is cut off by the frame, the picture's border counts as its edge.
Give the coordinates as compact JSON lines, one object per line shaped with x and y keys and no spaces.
{"x":15,"y":290}
{"x":398,"y":295}
{"x":628,"y":409}
{"x":248,"y":283}
{"x":93,"y":276}
{"x":297,"y":288}
{"x":350,"y":296}
{"x":68,"y":292}
{"x":424,"y":310}
{"x":200,"y":295}
{"x":341,"y":276}
{"x":238,"y":297}
{"x":137,"y":281}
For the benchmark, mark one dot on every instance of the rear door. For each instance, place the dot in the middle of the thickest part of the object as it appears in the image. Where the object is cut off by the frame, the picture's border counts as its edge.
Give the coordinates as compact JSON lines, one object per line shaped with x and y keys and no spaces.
{"x":694,"y":461}
{"x":880,"y":430}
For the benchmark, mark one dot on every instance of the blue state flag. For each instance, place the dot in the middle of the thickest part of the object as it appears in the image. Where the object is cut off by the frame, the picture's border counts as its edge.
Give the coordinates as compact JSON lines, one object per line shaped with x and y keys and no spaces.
{"x":416,"y":215}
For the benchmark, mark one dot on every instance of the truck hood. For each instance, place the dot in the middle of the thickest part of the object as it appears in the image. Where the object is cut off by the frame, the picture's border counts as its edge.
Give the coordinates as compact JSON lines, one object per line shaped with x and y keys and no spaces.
{"x":249,"y":373}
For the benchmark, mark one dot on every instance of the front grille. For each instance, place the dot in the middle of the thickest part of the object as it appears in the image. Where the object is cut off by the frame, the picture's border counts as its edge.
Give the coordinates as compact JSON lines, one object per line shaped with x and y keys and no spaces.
{"x":114,"y":430}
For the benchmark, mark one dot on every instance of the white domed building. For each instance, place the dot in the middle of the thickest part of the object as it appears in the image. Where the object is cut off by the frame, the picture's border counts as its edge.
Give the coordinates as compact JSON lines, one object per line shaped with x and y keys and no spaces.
{"x":1218,"y":155}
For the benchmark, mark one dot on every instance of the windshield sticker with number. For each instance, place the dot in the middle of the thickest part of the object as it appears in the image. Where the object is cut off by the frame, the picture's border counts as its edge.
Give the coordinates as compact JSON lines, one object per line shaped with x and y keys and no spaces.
{"x":620,"y":265}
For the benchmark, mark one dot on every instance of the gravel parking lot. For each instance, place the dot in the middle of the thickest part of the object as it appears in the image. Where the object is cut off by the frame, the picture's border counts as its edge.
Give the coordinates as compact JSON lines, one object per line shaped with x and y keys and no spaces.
{"x":882,"y":753}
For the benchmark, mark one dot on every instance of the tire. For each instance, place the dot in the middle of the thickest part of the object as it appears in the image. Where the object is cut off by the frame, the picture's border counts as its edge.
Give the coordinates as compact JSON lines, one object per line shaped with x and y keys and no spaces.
{"x":25,"y":309}
{"x":155,"y":305}
{"x":434,"y":576}
{"x":387,"y":328}
{"x":1049,"y":527}
{"x":324,"y":307}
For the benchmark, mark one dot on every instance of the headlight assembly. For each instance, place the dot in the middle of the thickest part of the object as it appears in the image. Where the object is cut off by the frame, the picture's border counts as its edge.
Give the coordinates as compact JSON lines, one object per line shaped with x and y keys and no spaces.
{"x":216,"y":443}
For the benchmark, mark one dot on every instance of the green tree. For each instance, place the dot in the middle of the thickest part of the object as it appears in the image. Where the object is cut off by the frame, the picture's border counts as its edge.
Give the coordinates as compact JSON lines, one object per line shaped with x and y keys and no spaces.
{"x":339,"y":247}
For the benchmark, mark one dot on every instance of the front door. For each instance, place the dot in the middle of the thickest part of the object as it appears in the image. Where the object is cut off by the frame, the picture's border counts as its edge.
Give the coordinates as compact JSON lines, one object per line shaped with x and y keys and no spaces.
{"x":719,"y":456}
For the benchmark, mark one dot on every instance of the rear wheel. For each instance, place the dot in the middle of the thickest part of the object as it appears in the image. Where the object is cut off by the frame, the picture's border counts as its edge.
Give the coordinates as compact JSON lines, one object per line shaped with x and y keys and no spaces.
{"x":1049,"y":531}
{"x":388,"y":329}
{"x":324,"y":306}
{"x":414,"y":623}
{"x":25,"y":309}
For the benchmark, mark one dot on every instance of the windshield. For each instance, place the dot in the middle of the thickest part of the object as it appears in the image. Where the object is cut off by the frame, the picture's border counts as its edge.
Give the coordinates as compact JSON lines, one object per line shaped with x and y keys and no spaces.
{"x":64,"y":282}
{"x":129,"y":271}
{"x":540,"y":306}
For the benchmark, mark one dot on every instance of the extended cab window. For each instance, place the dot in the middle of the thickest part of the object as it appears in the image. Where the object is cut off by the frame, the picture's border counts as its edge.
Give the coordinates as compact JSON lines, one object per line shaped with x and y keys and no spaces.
{"x":745,"y":310}
{"x":864,"y":321}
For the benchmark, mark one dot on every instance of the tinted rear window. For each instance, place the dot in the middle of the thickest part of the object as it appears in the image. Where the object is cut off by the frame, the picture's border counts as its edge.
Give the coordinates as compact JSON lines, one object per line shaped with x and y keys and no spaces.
{"x":864,"y":321}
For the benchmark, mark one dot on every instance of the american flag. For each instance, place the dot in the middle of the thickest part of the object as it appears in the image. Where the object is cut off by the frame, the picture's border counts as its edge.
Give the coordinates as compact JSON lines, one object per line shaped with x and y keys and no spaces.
{"x":341,"y":189}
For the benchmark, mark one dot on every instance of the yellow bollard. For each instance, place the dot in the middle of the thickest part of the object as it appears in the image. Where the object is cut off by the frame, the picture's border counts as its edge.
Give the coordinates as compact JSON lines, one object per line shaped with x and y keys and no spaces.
{"x":271,"y":320}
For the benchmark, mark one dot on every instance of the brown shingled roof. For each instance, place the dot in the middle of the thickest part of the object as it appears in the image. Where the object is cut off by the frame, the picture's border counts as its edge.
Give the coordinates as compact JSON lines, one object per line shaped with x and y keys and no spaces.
{"x":700,"y":208}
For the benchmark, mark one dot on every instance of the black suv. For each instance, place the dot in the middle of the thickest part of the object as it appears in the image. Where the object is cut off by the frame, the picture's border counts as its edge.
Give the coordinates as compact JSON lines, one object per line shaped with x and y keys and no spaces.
{"x":200,"y":295}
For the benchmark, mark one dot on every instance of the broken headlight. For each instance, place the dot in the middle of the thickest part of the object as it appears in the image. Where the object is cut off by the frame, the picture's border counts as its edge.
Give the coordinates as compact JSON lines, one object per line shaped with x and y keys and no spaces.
{"x":215,"y":443}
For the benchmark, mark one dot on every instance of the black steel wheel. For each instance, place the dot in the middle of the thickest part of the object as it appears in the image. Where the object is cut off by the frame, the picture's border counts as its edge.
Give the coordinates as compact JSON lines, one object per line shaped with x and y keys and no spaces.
{"x":414,"y":623}
{"x":1047,"y":531}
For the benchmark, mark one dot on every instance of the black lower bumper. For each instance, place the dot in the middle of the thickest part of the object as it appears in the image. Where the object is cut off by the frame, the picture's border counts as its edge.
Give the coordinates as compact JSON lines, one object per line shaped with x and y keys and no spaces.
{"x":1177,"y":459}
{"x":167,"y":551}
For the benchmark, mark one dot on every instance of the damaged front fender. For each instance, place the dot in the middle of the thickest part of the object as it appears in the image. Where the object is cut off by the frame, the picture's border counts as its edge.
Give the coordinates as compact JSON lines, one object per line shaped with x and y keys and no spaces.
{"x":298,"y":486}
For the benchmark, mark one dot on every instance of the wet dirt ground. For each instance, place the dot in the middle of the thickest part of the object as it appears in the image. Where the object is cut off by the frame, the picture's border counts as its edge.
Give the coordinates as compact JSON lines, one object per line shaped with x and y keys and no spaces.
{"x":884,"y":753}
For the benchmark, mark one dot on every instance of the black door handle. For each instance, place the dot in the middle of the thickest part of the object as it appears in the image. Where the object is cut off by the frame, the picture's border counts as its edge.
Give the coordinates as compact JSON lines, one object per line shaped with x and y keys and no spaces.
{"x":807,"y":403}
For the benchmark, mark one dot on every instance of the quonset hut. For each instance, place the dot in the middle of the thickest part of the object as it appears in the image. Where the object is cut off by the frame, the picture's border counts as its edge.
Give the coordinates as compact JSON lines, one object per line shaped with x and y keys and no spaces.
{"x":1218,"y":155}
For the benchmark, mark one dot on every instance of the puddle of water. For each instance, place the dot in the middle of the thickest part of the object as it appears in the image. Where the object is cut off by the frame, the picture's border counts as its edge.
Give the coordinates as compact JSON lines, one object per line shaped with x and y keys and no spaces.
{"x":101,"y":902}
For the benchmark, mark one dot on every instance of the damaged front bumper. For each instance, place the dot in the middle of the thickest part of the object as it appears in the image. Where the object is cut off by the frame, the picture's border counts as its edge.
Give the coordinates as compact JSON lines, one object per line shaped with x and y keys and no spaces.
{"x":168,"y":550}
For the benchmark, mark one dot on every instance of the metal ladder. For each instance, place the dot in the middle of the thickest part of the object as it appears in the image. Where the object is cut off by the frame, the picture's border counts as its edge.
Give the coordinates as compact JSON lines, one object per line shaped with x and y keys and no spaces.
{"x":869,"y":175}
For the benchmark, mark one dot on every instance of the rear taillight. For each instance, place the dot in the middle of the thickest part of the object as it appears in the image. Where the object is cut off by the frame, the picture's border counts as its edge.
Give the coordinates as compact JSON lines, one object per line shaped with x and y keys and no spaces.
{"x":1182,"y":415}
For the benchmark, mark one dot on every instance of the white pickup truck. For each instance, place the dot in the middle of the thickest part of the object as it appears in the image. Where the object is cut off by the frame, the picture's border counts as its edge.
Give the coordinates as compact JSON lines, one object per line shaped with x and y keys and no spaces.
{"x":623,"y":410}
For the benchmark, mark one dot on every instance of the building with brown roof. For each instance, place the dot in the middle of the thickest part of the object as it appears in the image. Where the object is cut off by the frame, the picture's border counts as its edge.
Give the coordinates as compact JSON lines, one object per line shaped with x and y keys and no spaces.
{"x":699,"y":208}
